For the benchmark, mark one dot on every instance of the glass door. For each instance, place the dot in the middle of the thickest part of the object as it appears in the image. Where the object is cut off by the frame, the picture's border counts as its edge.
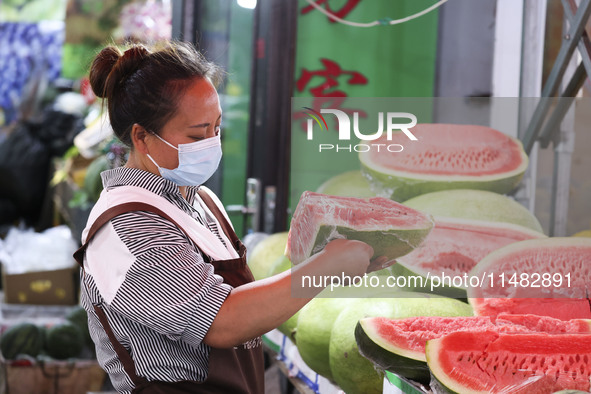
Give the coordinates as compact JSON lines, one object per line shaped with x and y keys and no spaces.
{"x":255,"y":43}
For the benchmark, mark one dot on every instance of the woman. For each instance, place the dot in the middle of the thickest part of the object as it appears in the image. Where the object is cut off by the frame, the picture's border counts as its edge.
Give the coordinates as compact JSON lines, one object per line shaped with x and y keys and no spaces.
{"x":172,"y":305}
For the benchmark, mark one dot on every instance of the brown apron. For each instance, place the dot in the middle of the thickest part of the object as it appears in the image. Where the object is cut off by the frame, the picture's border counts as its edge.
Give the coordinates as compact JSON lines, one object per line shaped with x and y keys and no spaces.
{"x":234,"y":370}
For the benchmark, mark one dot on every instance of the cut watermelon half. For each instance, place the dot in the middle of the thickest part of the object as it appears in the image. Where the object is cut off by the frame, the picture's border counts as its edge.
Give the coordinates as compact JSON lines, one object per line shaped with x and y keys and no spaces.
{"x":490,"y":362}
{"x":454,"y":247}
{"x":562,"y":266}
{"x":392,"y":229}
{"x":445,"y":156}
{"x":398,"y":345}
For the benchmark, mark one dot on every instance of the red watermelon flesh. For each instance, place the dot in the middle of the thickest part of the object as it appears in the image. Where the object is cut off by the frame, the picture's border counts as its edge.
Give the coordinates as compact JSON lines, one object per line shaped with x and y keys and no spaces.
{"x":455,"y":246}
{"x":392,"y":229}
{"x":546,"y":324}
{"x":490,"y":362}
{"x":441,"y":150}
{"x":565,"y":296}
{"x":558,"y":308}
{"x":407,"y":337}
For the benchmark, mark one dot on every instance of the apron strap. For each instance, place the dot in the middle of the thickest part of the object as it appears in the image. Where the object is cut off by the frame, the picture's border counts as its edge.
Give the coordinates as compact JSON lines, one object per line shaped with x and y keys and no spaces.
{"x":226,"y":227}
{"x":122,"y":353}
{"x":116,"y":211}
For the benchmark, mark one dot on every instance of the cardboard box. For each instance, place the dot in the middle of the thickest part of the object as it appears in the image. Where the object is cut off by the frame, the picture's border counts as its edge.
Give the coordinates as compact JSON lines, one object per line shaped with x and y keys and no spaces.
{"x":55,"y":377}
{"x":57,"y":287}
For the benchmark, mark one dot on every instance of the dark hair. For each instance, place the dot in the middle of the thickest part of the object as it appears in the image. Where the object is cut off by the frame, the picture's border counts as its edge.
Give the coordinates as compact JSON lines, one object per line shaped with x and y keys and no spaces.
{"x":144,"y":86}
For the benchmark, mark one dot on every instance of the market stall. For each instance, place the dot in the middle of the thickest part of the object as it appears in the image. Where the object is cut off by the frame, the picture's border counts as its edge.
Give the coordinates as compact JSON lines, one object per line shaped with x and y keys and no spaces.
{"x":450,"y":136}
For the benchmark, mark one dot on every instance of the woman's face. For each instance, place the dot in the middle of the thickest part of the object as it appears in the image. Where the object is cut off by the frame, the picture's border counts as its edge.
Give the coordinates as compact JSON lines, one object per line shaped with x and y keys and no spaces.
{"x":198,"y":117}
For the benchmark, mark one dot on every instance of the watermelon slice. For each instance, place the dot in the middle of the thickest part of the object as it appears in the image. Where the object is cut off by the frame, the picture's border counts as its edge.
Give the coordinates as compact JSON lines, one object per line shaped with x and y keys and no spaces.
{"x":392,"y":229}
{"x":476,"y":205}
{"x":490,"y":362}
{"x":550,"y":277}
{"x":454,"y":247}
{"x":398,"y":345}
{"x":445,"y":156}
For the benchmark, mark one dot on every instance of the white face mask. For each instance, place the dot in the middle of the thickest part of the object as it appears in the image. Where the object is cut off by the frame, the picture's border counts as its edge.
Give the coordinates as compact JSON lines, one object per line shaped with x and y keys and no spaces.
{"x":197,"y":161}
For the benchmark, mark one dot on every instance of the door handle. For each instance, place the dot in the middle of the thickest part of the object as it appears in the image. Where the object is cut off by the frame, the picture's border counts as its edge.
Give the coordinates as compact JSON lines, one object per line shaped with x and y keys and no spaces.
{"x":251,"y":209}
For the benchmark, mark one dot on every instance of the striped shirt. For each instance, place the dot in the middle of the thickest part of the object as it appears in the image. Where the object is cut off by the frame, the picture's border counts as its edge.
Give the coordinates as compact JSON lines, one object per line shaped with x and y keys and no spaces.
{"x":159,"y":295}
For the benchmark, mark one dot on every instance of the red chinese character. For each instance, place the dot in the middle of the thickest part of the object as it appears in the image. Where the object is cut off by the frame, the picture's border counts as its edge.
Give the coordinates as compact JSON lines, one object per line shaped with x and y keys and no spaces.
{"x":343,"y":12}
{"x":324,"y":96}
{"x":331,"y":71}
{"x":329,"y":103}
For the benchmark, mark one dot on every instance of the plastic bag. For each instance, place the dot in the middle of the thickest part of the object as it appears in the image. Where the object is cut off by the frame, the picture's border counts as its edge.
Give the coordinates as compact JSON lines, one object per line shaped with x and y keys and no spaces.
{"x":25,"y":250}
{"x":392,"y":229}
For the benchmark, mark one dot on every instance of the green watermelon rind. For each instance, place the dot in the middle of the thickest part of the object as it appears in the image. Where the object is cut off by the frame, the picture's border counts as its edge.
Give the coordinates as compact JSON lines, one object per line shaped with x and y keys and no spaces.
{"x":392,"y":243}
{"x":79,"y":317}
{"x":475,"y":205}
{"x":401,"y":185}
{"x":432,"y":347}
{"x":313,"y":335}
{"x":347,"y":184}
{"x":400,"y":269}
{"x":340,"y":342}
{"x":403,"y":268}
{"x":31,"y":341}
{"x":385,"y":355}
{"x":64,"y":341}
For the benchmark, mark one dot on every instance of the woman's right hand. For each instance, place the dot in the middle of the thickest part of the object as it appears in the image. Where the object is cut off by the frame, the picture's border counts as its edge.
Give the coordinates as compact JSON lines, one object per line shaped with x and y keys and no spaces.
{"x":348,"y":257}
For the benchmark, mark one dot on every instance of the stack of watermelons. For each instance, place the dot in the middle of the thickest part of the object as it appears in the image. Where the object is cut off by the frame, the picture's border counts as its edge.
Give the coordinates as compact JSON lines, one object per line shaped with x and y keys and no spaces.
{"x":460,"y":175}
{"x":61,"y":341}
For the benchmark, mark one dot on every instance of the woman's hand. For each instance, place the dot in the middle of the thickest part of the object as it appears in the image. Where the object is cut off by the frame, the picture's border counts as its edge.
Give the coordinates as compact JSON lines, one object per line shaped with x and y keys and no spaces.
{"x":346,"y":257}
{"x":255,"y":308}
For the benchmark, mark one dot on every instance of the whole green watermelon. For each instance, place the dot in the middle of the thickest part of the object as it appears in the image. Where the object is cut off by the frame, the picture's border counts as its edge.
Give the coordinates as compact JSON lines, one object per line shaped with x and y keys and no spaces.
{"x":64,"y":341}
{"x":25,"y":338}
{"x":79,"y":318}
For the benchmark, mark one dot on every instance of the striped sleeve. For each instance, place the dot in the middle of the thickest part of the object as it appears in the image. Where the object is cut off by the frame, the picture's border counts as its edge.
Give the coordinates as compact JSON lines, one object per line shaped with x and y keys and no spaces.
{"x":167,"y":286}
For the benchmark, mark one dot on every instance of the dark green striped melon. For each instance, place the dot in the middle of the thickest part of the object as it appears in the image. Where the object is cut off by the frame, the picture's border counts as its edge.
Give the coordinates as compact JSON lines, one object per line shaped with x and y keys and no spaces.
{"x":79,"y":318}
{"x":25,"y":338}
{"x":64,"y":341}
{"x":392,"y":229}
{"x":445,"y":156}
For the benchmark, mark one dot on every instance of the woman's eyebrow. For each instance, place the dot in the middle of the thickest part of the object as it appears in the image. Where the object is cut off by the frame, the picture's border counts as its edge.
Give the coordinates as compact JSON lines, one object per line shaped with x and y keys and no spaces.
{"x":203,"y":124}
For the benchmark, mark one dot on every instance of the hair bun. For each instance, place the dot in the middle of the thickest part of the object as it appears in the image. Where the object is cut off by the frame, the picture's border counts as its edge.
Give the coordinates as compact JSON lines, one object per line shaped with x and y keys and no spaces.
{"x":101,"y":68}
{"x":111,"y":67}
{"x":130,"y":62}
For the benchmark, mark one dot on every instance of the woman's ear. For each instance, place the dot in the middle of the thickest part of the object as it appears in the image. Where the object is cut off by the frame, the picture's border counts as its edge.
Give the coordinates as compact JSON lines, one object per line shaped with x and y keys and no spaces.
{"x":138,"y":138}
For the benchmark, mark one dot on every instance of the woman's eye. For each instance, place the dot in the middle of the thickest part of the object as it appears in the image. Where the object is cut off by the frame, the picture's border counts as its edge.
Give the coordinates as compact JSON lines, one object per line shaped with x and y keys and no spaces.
{"x":218,"y":129}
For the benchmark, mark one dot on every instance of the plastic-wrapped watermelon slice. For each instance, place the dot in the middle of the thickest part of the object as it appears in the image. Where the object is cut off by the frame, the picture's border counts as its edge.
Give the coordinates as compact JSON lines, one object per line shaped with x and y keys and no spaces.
{"x":392,"y":229}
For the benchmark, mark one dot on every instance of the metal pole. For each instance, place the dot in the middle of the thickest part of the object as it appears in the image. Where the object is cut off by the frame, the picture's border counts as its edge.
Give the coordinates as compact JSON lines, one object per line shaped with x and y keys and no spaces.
{"x":584,"y":45}
{"x":568,"y":96}
{"x":569,"y":42}
{"x":564,"y":146}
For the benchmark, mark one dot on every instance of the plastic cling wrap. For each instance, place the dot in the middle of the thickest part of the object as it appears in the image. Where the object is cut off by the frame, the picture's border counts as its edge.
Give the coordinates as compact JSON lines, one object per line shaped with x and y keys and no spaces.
{"x":398,"y":345}
{"x":510,"y":363}
{"x":392,"y":229}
